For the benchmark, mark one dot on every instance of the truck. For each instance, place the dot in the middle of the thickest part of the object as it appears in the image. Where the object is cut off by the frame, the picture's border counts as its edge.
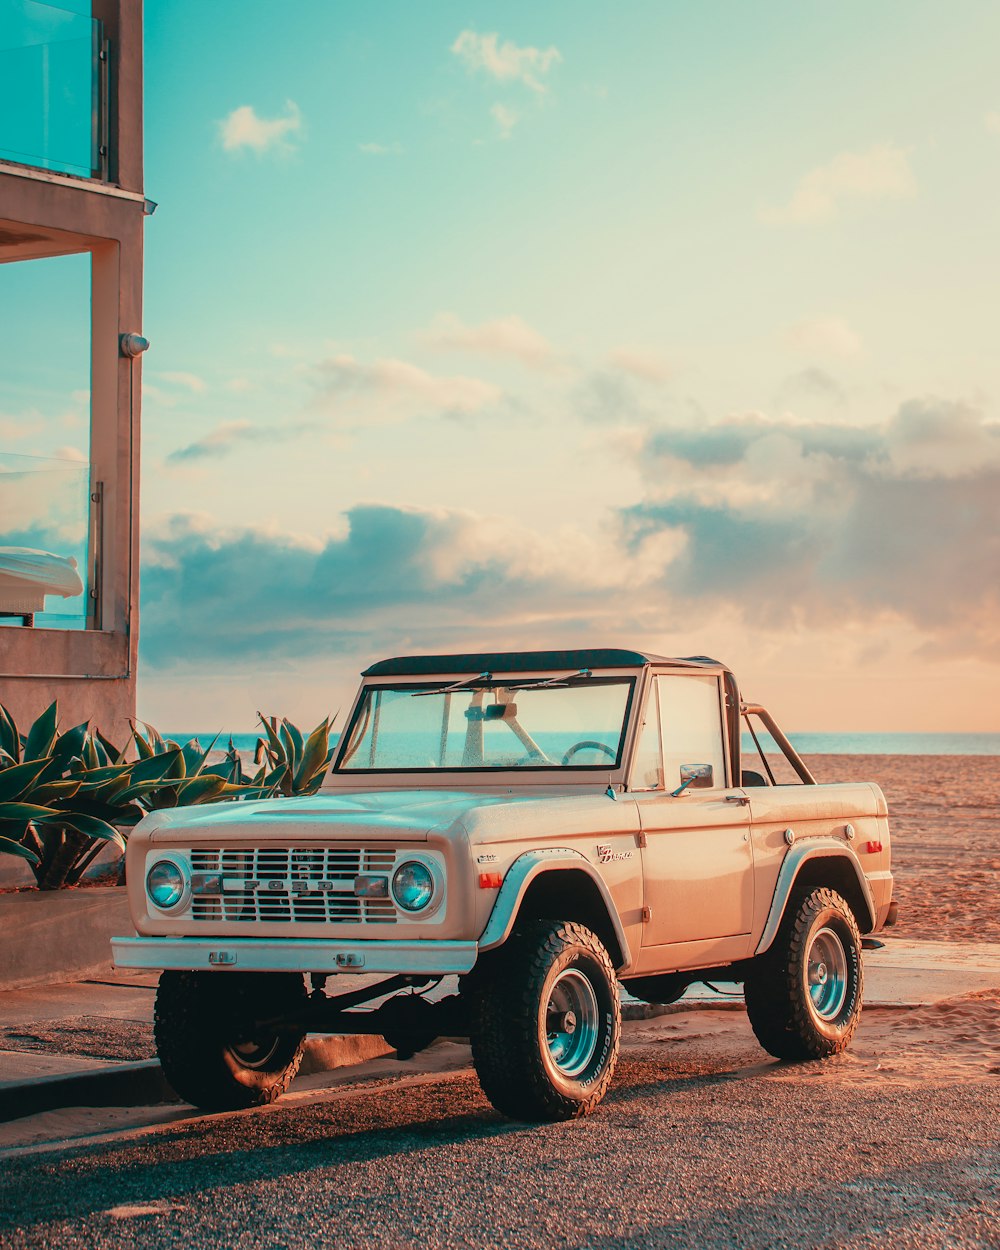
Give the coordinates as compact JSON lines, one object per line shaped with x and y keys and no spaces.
{"x":503,"y":842}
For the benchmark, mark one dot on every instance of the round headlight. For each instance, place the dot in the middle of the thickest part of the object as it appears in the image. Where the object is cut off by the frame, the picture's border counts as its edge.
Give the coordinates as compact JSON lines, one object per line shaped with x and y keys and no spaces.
{"x":165,"y":884}
{"x":412,"y":885}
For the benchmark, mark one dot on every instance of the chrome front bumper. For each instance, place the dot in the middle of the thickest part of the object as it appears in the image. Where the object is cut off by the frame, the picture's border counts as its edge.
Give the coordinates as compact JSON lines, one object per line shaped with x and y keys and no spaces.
{"x":293,"y":955}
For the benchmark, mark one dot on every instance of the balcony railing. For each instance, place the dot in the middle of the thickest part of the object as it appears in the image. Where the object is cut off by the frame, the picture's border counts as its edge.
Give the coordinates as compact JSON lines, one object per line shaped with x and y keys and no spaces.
{"x":49,"y":531}
{"x":53,"y":88}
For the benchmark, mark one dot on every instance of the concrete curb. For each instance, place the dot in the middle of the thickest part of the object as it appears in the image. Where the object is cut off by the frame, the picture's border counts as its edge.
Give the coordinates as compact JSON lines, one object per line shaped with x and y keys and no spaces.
{"x":124,"y":1085}
{"x":142,"y":1084}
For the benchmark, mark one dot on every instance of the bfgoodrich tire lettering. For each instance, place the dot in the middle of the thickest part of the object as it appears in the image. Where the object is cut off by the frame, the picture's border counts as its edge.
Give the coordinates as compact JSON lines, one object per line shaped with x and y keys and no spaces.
{"x":208,"y":1054}
{"x":546,"y":1023}
{"x":804,"y":999}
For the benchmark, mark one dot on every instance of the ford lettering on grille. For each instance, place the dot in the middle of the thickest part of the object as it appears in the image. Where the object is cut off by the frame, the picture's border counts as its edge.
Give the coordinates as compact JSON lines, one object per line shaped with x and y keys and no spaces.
{"x":324,"y":885}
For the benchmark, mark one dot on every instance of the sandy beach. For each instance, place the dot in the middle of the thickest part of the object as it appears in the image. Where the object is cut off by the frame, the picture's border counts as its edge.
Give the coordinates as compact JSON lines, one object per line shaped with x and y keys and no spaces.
{"x":944,"y":817}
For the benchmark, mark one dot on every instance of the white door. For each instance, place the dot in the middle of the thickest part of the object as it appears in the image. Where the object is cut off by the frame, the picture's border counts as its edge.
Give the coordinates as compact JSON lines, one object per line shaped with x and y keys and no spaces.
{"x":698,"y":859}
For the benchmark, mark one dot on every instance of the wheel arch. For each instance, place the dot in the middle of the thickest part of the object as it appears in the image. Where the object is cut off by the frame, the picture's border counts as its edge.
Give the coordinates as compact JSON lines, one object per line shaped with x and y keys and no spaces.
{"x":557,"y":885}
{"x":823,"y":864}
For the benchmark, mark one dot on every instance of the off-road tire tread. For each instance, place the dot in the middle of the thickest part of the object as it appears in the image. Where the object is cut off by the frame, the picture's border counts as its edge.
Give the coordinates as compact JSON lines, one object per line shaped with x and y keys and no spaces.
{"x":778,"y":1012}
{"x":505,"y":993}
{"x":190,"y":1043}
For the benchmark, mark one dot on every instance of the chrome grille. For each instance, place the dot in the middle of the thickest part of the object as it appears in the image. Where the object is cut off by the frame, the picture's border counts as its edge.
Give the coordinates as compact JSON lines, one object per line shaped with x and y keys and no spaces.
{"x":219,"y":896}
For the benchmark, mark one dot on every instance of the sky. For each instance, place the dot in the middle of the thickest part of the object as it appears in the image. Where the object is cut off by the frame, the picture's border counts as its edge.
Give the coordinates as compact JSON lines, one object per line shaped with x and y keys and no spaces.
{"x":667,"y":325}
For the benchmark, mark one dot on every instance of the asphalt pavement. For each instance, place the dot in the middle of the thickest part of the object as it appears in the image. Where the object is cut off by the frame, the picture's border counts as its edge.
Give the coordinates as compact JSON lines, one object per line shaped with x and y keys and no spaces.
{"x":54,"y":1070}
{"x":702,"y":1142}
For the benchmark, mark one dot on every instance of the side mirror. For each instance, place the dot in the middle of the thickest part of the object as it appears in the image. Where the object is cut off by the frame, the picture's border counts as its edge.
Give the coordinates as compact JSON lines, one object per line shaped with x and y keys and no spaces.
{"x":696,"y":777}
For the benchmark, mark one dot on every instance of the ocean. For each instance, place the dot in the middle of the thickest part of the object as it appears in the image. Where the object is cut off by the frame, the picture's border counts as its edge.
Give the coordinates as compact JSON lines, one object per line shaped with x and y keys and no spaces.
{"x":805,"y":743}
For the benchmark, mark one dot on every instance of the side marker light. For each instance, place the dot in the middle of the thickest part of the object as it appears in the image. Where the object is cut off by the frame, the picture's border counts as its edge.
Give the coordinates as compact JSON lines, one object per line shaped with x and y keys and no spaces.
{"x":490,"y":880}
{"x":873,"y":848}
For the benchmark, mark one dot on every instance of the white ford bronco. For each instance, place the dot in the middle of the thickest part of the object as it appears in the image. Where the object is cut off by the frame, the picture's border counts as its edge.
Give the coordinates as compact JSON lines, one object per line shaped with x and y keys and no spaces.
{"x":542,"y":825}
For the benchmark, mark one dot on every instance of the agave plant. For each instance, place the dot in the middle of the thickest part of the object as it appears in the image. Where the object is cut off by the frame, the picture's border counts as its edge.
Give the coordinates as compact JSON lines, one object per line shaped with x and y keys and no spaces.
{"x":59,"y":794}
{"x":297,"y":763}
{"x":185,"y":776}
{"x":64,"y":796}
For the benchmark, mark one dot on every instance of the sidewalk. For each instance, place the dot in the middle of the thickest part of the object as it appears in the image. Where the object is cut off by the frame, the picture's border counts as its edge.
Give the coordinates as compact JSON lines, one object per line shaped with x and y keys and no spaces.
{"x":87,"y":1043}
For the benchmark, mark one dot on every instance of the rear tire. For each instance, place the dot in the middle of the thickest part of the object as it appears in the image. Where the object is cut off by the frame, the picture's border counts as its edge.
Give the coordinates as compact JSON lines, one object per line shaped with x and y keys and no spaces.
{"x":804,"y":999}
{"x":209,"y":1055}
{"x":546,"y":1023}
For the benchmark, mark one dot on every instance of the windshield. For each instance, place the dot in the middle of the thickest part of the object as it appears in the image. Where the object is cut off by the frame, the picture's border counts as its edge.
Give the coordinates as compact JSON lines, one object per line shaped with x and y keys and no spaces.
{"x":574,"y":722}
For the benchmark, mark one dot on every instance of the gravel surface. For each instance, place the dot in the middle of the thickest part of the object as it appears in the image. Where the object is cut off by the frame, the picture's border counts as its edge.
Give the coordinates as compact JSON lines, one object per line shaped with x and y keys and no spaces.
{"x":97,"y":1037}
{"x":702,"y":1142}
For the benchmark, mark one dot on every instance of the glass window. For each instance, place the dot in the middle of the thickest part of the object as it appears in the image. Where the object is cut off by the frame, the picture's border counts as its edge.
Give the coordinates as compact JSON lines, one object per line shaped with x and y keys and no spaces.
{"x":647,"y":770}
{"x":577,"y":723}
{"x":46,"y":550}
{"x":691,"y":719}
{"x":49,"y":70}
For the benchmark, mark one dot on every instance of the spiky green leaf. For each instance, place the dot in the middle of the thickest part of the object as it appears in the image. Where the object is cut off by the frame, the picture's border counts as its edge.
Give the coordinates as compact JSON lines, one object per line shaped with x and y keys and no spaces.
{"x":42,"y":734}
{"x":314,"y":755}
{"x":9,"y":847}
{"x":89,"y":826}
{"x":10,"y":738}
{"x":116,"y":755}
{"x":55,"y":791}
{"x":17,"y":780}
{"x":21,"y":813}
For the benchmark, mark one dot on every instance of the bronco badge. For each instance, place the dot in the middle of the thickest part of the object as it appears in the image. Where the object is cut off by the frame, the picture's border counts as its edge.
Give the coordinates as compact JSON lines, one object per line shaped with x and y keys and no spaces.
{"x":605,"y":855}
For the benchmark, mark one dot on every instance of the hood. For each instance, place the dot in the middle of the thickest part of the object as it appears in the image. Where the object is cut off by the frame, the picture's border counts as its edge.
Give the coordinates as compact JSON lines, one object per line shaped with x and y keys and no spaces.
{"x":388,"y":813}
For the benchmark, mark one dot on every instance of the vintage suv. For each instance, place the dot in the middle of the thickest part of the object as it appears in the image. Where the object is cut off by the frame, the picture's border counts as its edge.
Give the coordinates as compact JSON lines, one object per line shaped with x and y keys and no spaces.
{"x":542,"y":824}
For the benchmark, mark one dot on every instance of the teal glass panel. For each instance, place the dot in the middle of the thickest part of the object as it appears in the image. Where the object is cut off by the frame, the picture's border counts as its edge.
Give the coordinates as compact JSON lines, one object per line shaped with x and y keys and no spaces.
{"x":49,"y":76}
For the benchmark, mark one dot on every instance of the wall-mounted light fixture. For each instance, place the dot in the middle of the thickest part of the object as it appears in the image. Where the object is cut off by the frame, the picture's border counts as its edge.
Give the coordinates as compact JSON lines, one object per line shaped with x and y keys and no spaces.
{"x":133,"y":344}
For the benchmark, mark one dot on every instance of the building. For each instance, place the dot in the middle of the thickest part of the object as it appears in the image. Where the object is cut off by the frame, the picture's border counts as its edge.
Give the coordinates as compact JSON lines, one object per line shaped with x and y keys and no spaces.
{"x":72,"y":210}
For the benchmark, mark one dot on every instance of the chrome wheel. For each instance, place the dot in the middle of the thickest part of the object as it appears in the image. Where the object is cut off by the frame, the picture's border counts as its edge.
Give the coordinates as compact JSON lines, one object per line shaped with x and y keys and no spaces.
{"x":255,"y":1052}
{"x":826,"y":974}
{"x":572,"y":1021}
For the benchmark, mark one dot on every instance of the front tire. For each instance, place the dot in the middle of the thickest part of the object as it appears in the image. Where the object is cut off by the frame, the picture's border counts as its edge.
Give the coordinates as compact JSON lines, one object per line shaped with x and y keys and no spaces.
{"x":804,"y":1000}
{"x":547,"y":1023}
{"x":209,"y":1051}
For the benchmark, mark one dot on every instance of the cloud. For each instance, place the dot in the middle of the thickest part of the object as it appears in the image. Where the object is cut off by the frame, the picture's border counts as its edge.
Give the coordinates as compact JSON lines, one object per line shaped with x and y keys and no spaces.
{"x":380,"y":149}
{"x":880,"y":173}
{"x":191,"y":381}
{"x":769,"y":525}
{"x":505,"y":118}
{"x":388,"y":390}
{"x":227,"y":437}
{"x":823,"y":336}
{"x":243,"y":128}
{"x":66,"y":452}
{"x":804,"y":524}
{"x":811,"y":384}
{"x":506,"y":62}
{"x":641,"y":362}
{"x":503,"y":337}
{"x":394,"y":575}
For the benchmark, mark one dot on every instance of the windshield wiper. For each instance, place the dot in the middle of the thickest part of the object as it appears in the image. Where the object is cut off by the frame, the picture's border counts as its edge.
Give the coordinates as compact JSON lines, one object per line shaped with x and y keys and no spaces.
{"x":563,"y":680}
{"x":485,"y":679}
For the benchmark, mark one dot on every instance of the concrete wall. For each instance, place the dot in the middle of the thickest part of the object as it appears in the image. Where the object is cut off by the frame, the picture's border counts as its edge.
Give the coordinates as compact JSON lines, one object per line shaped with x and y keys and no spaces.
{"x":59,"y":935}
{"x":92,"y":672}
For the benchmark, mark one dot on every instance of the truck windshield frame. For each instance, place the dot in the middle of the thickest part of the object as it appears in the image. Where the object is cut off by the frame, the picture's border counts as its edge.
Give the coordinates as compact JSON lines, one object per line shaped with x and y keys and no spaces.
{"x":489,"y":725}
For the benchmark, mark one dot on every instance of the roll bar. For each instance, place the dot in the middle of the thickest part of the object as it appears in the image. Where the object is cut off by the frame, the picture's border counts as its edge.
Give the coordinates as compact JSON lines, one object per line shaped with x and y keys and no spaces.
{"x":787,"y":750}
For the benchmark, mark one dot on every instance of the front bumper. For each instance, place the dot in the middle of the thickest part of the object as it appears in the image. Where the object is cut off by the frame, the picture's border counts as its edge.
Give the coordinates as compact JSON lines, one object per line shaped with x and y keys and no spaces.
{"x":293,"y":955}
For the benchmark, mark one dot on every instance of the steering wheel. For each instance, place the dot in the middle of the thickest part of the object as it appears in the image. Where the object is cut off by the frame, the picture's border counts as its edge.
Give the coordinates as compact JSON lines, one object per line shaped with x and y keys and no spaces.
{"x":587,"y":744}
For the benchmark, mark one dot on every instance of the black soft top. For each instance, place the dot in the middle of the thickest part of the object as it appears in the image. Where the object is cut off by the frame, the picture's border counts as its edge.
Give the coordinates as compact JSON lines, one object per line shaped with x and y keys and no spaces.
{"x":526,"y":662}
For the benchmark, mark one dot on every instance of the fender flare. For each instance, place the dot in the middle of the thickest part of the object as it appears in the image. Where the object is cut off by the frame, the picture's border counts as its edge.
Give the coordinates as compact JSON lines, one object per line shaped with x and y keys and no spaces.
{"x":520,"y":875}
{"x":799,"y":854}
